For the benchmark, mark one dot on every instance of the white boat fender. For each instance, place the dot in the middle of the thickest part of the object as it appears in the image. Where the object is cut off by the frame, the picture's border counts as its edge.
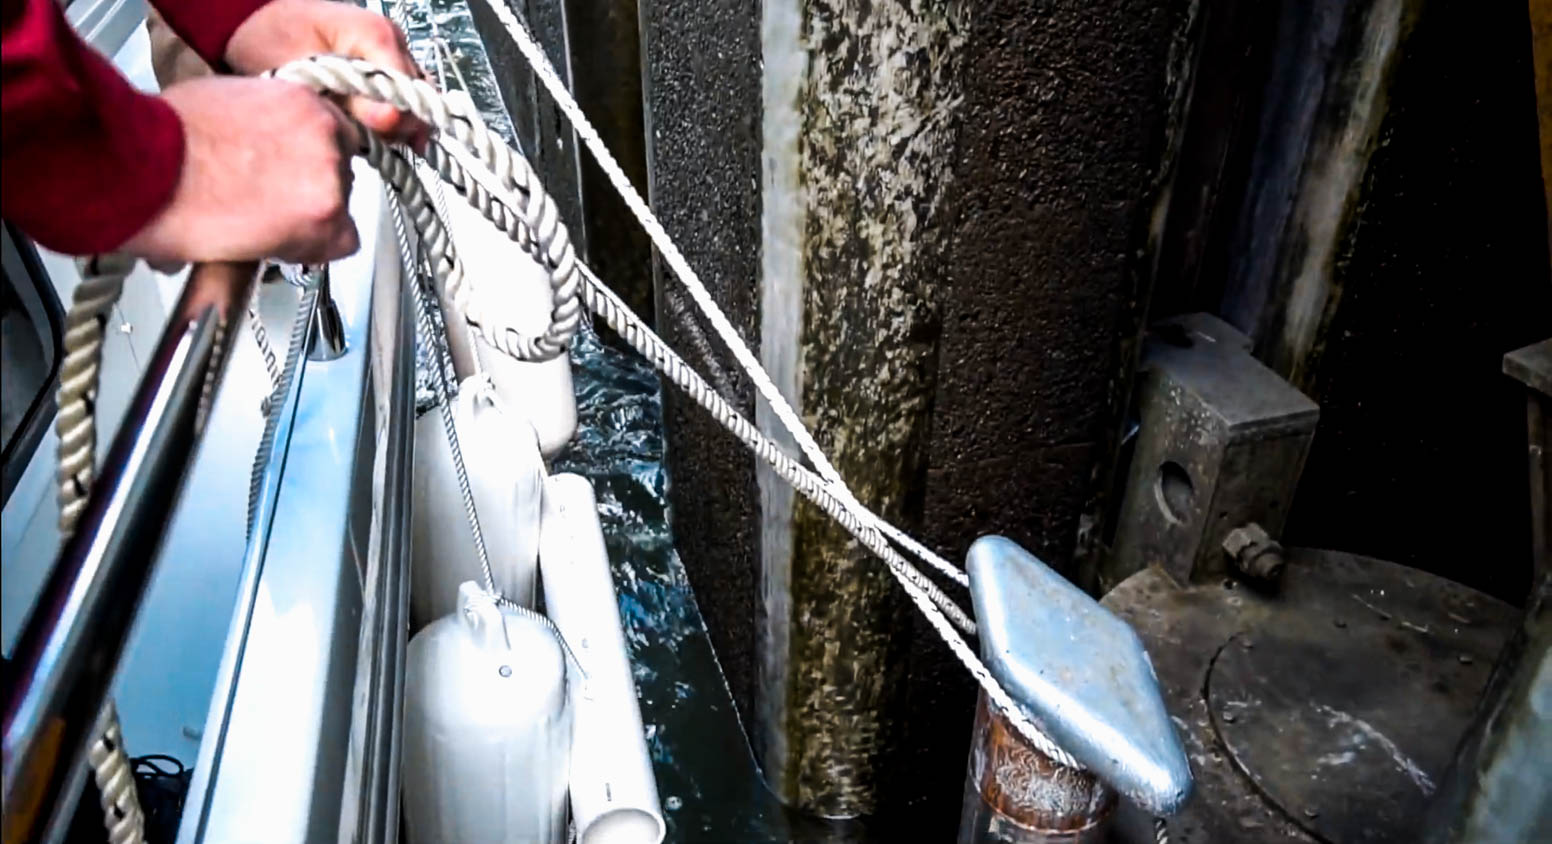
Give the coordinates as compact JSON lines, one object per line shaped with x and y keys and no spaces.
{"x":508,"y":281}
{"x":506,"y":478}
{"x":487,"y":728}
{"x":614,"y":796}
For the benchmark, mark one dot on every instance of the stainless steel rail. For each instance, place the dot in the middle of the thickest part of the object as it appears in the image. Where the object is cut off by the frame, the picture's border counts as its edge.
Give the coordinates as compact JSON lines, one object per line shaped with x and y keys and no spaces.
{"x":67,"y":653}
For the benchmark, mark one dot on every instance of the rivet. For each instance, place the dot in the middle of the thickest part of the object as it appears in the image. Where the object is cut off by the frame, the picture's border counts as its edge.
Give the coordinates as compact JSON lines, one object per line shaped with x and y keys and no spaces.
{"x":505,"y":671}
{"x":1465,"y":659}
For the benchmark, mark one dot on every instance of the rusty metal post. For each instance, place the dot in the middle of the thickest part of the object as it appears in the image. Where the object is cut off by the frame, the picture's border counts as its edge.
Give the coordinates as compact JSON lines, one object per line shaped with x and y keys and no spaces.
{"x":1532,"y":366}
{"x":1081,"y":673}
{"x":1014,"y":794}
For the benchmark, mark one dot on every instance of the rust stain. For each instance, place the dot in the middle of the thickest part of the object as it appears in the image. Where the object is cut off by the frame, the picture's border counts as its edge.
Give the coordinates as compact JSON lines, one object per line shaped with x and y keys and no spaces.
{"x":1026,"y":787}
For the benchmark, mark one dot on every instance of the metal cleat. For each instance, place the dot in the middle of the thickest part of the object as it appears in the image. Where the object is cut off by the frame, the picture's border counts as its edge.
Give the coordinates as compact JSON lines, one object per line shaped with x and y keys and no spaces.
{"x":1079,"y":672}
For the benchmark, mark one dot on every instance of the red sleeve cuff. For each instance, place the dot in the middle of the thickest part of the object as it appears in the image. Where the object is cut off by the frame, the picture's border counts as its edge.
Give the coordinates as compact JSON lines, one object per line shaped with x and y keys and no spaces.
{"x":207,"y":25}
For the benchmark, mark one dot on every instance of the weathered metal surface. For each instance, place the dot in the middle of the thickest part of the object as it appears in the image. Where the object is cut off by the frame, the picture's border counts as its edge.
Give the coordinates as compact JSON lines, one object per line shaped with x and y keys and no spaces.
{"x":1415,"y":429}
{"x":1325,"y":98}
{"x":1255,"y":553}
{"x":1015,"y":794}
{"x":1079,"y":672}
{"x":1532,"y":366}
{"x":1222,"y":444}
{"x":1541,"y":46}
{"x":606,"y":79}
{"x":1325,"y":712}
{"x":1498,"y":791}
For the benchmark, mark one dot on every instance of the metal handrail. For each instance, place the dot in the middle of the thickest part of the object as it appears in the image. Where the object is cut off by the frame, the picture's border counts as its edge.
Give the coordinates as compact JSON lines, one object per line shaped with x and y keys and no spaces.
{"x":69,"y":648}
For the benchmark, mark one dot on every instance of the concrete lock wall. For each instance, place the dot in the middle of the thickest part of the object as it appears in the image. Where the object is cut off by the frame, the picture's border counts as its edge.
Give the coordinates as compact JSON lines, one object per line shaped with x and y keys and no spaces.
{"x":926,"y":218}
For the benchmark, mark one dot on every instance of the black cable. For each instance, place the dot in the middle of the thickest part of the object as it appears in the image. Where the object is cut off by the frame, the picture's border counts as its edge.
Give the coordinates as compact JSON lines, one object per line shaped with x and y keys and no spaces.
{"x":162,"y":782}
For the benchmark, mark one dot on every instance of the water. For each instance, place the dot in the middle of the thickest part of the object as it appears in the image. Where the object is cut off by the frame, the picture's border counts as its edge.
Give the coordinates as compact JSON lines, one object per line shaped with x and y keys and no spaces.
{"x":706,"y":775}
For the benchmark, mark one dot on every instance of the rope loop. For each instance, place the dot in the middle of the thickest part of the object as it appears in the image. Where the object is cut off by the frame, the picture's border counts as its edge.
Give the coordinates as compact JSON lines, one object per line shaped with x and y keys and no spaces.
{"x":533,"y":223}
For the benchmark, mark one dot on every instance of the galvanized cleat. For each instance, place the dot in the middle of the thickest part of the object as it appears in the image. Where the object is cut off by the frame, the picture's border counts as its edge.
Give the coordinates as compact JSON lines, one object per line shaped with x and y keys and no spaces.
{"x":1079,"y":672}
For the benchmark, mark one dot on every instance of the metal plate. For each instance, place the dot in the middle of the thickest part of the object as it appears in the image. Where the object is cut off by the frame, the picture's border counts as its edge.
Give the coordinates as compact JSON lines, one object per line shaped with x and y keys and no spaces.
{"x":1324,"y":712}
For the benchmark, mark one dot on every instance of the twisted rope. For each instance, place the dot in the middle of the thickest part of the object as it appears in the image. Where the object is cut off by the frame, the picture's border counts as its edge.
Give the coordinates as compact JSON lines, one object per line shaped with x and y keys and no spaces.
{"x":102,"y":282}
{"x":280,"y":386}
{"x":533,"y":223}
{"x":115,"y":778}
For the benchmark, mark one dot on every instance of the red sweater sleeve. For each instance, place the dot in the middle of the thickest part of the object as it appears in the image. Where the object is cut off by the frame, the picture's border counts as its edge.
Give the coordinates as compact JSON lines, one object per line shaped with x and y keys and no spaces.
{"x":89,"y":160}
{"x":206,"y":25}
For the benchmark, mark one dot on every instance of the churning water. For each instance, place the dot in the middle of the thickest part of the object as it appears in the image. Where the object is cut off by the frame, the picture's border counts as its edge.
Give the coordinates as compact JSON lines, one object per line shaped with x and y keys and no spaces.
{"x":706,"y":776}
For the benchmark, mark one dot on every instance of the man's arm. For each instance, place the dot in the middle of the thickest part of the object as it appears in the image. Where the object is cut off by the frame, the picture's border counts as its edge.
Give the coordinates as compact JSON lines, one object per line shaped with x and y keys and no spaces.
{"x":215,"y":169}
{"x":88,"y":159}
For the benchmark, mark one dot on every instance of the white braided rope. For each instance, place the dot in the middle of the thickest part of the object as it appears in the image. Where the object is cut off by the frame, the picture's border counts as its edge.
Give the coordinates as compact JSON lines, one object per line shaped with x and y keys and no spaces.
{"x":102,"y":282}
{"x":930,"y":600}
{"x":540,"y":64}
{"x":536,"y":225}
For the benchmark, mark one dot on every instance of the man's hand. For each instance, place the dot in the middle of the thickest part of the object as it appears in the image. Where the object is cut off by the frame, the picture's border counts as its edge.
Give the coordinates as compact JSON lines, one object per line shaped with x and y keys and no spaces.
{"x":266,"y":174}
{"x":286,"y":30}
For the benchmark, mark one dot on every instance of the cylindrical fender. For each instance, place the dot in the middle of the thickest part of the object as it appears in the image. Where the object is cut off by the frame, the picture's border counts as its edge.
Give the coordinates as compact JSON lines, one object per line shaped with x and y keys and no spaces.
{"x":506,"y":477}
{"x":508,"y":281}
{"x":487,"y":728}
{"x":614,"y":796}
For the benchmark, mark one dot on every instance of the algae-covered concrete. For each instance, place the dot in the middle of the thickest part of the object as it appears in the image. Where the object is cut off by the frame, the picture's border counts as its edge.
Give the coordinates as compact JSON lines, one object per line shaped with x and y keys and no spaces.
{"x":926,"y":217}
{"x":856,"y":241}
